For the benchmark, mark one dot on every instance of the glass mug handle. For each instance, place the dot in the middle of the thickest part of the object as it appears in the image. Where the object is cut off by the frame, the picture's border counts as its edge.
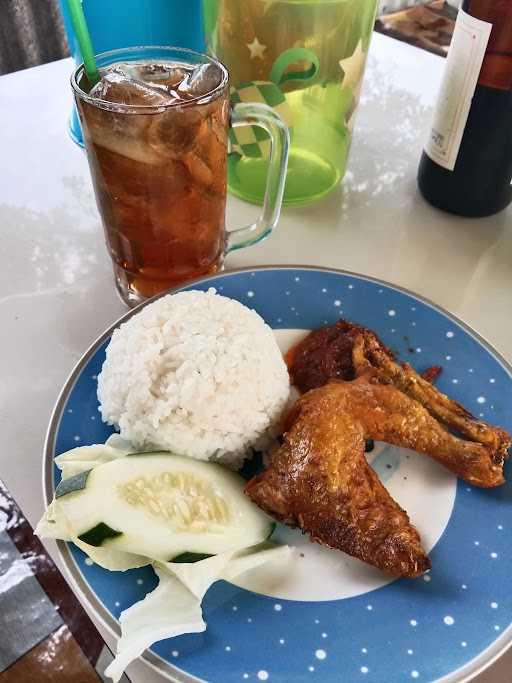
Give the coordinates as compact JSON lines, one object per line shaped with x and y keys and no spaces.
{"x":247,"y":114}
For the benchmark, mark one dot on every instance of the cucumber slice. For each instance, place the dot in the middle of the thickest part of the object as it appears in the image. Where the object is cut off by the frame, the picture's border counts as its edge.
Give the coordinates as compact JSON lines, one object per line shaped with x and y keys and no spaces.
{"x":162,"y":505}
{"x":99,"y":534}
{"x":75,"y":483}
{"x":190,"y":558}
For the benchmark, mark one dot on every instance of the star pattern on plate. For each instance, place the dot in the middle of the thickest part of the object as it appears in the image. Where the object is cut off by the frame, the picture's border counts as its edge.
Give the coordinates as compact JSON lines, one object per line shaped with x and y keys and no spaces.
{"x":256,"y":49}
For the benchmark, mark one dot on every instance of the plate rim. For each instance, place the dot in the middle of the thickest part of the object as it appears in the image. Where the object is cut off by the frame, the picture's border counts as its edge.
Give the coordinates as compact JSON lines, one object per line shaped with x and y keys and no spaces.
{"x":463,"y":674}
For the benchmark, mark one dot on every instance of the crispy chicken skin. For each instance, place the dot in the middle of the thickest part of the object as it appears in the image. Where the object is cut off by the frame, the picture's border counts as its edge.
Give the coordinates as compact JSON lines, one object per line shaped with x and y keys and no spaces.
{"x":324,"y":354}
{"x":319,"y":479}
{"x":369,"y":354}
{"x":348,"y":350}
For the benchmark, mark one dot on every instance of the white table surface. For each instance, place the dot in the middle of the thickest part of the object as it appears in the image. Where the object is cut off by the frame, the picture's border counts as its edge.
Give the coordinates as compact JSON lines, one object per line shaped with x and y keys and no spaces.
{"x":56,"y":287}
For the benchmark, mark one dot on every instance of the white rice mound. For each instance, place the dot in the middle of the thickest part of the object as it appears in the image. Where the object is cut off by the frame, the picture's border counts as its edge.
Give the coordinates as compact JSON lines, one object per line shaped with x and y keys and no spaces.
{"x":197,"y":374}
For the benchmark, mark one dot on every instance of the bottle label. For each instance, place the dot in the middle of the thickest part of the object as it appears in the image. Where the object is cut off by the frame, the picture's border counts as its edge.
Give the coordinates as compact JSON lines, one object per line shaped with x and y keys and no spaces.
{"x":464,"y":61}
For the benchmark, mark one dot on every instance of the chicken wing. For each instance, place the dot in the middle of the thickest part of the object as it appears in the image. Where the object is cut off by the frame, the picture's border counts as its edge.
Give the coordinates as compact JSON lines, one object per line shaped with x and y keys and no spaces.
{"x":319,"y":480}
{"x":347,"y":350}
{"x":369,"y":353}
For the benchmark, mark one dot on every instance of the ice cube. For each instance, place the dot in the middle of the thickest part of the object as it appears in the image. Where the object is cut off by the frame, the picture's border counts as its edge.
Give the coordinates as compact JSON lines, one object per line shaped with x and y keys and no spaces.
{"x":117,"y":86}
{"x":160,"y":75}
{"x":198,"y":169}
{"x":201,"y":81}
{"x":173,"y":132}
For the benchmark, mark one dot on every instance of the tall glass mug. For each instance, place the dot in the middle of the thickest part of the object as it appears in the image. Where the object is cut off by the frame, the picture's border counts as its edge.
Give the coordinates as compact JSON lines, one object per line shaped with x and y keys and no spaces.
{"x":156,"y":132}
{"x":306,"y":59}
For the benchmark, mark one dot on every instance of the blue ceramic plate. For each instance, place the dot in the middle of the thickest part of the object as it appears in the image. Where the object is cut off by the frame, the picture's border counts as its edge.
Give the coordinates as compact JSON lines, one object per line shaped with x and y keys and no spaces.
{"x":332,"y":618}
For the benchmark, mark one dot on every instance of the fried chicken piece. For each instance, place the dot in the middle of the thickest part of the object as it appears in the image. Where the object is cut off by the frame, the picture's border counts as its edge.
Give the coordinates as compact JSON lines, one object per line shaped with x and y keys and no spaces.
{"x":319,"y":480}
{"x":324,"y":354}
{"x":369,"y":353}
{"x":348,"y":350}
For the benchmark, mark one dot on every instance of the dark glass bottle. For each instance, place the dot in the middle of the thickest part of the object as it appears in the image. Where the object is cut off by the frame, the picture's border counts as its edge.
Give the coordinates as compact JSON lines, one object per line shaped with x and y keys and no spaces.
{"x":466,"y":167}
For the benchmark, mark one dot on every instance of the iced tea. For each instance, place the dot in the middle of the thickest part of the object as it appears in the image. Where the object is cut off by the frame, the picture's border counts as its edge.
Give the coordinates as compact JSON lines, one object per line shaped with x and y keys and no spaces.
{"x":156,"y":138}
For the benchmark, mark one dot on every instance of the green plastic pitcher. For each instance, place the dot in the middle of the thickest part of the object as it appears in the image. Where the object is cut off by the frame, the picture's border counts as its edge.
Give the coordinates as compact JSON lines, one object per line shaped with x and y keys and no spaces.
{"x":306,"y":59}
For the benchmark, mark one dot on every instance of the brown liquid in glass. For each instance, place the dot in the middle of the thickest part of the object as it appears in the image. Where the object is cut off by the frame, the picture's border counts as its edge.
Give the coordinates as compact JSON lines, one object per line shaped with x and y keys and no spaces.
{"x":160,"y":183}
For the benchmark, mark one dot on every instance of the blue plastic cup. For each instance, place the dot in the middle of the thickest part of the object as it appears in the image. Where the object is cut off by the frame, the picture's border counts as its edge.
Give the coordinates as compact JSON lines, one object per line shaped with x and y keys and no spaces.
{"x":117,"y":24}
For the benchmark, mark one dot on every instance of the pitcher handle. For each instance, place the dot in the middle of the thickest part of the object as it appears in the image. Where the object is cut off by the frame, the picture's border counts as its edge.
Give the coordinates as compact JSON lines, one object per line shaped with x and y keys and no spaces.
{"x":249,"y":114}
